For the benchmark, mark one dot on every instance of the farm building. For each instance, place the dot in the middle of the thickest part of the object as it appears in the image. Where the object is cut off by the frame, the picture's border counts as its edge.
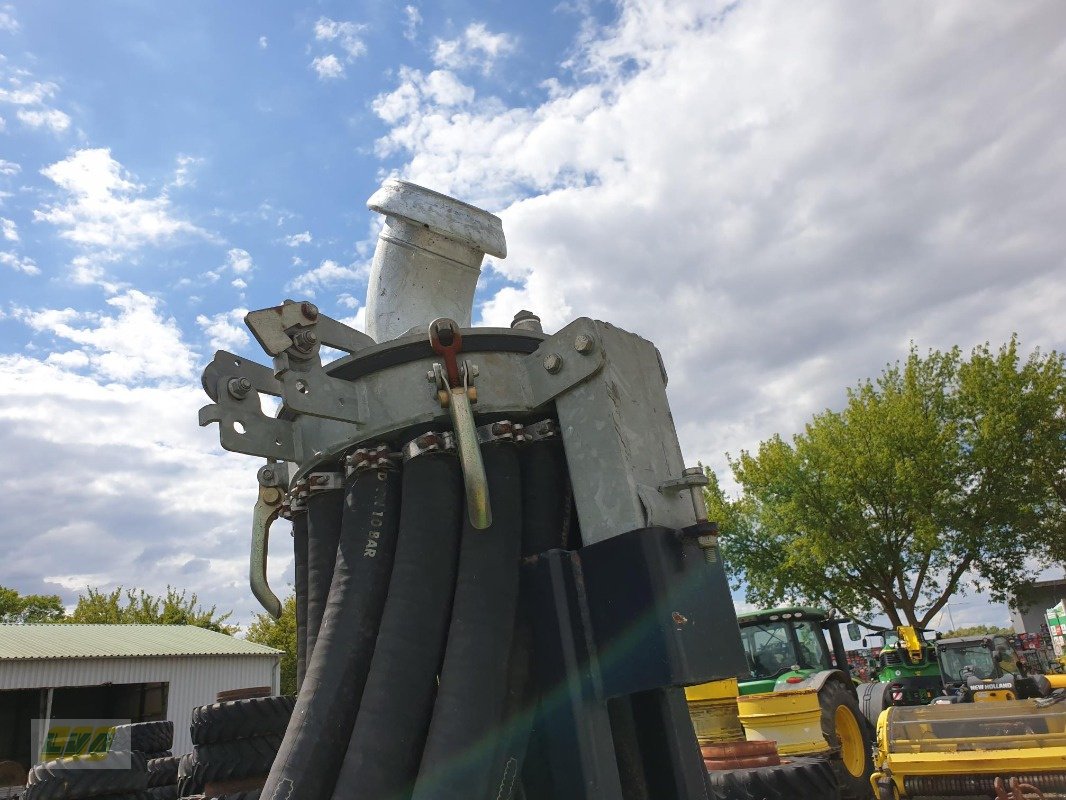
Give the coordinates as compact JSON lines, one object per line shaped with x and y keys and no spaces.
{"x":132,"y":672}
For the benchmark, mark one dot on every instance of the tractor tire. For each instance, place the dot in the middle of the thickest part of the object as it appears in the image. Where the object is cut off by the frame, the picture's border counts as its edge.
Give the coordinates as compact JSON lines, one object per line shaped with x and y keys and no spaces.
{"x":240,"y":719}
{"x":851,"y":738}
{"x":236,"y":759}
{"x":163,"y":771}
{"x":190,"y":776}
{"x":80,"y":777}
{"x":872,"y":700}
{"x":793,"y":779}
{"x":146,"y":737}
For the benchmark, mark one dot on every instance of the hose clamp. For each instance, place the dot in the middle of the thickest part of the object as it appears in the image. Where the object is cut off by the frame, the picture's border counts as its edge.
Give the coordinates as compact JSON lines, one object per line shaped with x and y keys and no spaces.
{"x":545,"y":429}
{"x":324,"y":482}
{"x":502,"y":431}
{"x":364,"y":458}
{"x":429,"y":442}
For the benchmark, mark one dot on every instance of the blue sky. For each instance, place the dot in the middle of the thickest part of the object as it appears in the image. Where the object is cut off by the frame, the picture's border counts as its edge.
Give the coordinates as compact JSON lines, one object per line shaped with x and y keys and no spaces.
{"x":781,"y":197}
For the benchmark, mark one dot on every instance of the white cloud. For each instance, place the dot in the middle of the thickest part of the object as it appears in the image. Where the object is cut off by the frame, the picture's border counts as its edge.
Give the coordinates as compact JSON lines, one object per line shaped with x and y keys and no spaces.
{"x":238,"y":283}
{"x":7,"y":18}
{"x":346,"y":34}
{"x":134,"y":345}
{"x":182,"y":176}
{"x":411,"y":22}
{"x":328,"y":67}
{"x":104,"y":207}
{"x":226,"y":330}
{"x":263,"y":43}
{"x":9,"y":167}
{"x":328,"y":273}
{"x":240,"y":261}
{"x":297,"y":239}
{"x":51,"y":118}
{"x":27,"y":266}
{"x":9,"y":229}
{"x":477,"y":47}
{"x":347,"y":301}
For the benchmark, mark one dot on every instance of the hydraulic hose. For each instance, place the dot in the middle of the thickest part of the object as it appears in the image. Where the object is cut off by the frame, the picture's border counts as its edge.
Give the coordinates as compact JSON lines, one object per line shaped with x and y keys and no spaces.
{"x":324,"y":512}
{"x":314,"y":744}
{"x":461,"y":747}
{"x":299,"y":544}
{"x":390,"y":730}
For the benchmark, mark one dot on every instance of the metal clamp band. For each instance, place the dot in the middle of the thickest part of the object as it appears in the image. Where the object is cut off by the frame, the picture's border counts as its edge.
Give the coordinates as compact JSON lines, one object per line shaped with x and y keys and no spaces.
{"x":430,"y":442}
{"x":502,"y":431}
{"x":376,"y":457}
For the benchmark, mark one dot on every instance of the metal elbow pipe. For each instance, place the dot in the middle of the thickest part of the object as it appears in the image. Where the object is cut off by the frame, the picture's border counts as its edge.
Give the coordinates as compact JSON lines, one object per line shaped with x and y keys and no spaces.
{"x":427,"y":260}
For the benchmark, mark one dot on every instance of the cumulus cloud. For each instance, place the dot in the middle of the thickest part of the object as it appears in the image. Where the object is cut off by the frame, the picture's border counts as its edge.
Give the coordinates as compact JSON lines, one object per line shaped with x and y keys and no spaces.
{"x":328,"y":273}
{"x":225,"y":330}
{"x":51,"y":118}
{"x":297,"y":239}
{"x":32,"y":102}
{"x":9,"y":167}
{"x":182,"y":173}
{"x":412,"y":20}
{"x":9,"y":229}
{"x":8,"y":22}
{"x":476,"y":47}
{"x":22,"y":264}
{"x":263,"y":43}
{"x":240,"y":261}
{"x":344,"y":34}
{"x":328,"y":67}
{"x":104,"y":208}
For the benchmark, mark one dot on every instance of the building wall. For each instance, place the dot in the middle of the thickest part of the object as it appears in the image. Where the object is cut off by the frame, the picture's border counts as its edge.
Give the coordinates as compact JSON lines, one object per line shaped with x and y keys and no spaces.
{"x":1030,"y":620}
{"x":194,"y":680}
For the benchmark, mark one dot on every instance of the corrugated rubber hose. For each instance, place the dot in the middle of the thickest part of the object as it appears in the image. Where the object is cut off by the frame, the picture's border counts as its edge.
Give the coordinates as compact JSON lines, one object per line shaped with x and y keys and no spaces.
{"x":299,"y":544}
{"x":324,"y":511}
{"x":461,"y":748}
{"x":315,"y":742}
{"x":390,"y":730}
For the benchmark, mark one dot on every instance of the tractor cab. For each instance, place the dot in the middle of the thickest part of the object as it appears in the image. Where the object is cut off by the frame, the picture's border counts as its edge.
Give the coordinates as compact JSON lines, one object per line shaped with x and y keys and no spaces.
{"x":907,"y":665}
{"x":976,"y":668}
{"x":788,"y":645}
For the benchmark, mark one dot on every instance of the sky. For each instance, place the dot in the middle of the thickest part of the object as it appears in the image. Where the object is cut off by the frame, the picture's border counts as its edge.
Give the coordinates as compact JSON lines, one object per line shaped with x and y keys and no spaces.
{"x":782,"y":196}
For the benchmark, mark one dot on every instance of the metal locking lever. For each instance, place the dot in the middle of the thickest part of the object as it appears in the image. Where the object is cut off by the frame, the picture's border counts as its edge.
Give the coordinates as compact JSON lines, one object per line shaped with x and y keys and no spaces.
{"x":455,"y":392}
{"x":266,"y":511}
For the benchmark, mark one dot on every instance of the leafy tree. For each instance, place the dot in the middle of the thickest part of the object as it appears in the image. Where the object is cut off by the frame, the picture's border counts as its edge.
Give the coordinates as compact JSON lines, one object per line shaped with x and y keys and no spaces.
{"x":979,"y":630}
{"x":97,"y":607}
{"x":942,"y":475}
{"x":24,"y":608}
{"x":281,"y":634}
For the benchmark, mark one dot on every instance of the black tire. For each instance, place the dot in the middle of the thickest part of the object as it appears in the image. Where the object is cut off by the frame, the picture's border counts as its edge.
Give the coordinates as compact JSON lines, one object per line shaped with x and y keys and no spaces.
{"x":794,"y":779}
{"x":854,"y":783}
{"x":240,"y":719}
{"x":146,"y":737}
{"x":237,"y":759}
{"x":80,"y":777}
{"x":162,"y":792}
{"x":872,"y":700}
{"x":163,"y":772}
{"x":190,"y":776}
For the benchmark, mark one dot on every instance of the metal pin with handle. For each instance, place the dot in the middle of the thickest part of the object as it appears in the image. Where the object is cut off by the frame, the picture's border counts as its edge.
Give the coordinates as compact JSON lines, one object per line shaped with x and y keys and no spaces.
{"x":266,"y":511}
{"x":457,"y":394}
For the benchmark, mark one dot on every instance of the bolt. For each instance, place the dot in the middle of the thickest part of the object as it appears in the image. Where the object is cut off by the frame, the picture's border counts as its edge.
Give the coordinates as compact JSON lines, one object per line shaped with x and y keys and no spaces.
{"x":309,"y":310}
{"x":584,"y":343}
{"x":526,"y":321}
{"x":267,"y":474}
{"x":239,"y":387}
{"x":305,"y":340}
{"x":553,"y":362}
{"x":473,"y":369}
{"x":431,"y":376}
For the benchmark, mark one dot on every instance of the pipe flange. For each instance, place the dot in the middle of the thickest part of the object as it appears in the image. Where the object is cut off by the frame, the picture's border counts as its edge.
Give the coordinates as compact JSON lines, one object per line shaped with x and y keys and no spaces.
{"x":502,"y":431}
{"x":324,"y":482}
{"x":431,"y":442}
{"x":377,"y":457}
{"x":545,"y":429}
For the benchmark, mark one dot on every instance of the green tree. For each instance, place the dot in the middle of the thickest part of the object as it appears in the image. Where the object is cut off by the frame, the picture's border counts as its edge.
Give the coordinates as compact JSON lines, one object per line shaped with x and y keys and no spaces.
{"x":281,"y":634}
{"x":979,"y":630}
{"x":138,"y":607}
{"x":942,"y":475}
{"x":25,"y":608}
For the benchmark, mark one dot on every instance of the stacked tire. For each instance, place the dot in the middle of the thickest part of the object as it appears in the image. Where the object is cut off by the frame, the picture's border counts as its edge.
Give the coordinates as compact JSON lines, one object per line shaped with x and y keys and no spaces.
{"x":154,"y":741}
{"x":234,"y":745}
{"x":115,"y":775}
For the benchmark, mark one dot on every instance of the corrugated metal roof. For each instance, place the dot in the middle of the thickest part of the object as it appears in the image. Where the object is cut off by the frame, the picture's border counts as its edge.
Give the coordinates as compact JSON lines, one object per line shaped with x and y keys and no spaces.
{"x":24,"y":642}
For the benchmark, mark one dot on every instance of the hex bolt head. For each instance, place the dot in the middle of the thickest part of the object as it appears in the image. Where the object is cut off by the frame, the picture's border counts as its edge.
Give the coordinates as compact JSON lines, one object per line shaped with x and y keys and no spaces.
{"x":431,"y":376}
{"x":266,"y":475}
{"x":239,"y":387}
{"x":309,"y":310}
{"x":553,"y":362}
{"x":305,"y":340}
{"x":584,"y":344}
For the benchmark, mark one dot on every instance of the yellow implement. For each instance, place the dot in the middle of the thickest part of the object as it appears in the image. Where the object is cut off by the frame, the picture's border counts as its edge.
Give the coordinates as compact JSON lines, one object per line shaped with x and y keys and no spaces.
{"x":945,"y":749}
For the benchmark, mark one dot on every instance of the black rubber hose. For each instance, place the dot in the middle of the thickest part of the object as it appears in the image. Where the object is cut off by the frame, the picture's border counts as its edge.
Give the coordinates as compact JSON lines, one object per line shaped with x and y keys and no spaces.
{"x":461,"y":747}
{"x":299,"y":544}
{"x":313,"y":749}
{"x":324,"y":512}
{"x":546,"y":514}
{"x":390,"y":730}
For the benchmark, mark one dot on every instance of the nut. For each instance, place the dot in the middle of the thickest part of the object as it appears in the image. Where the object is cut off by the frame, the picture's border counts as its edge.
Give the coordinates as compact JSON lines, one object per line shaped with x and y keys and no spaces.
{"x":553,"y":362}
{"x":584,"y":344}
{"x":305,"y":340}
{"x":239,"y":387}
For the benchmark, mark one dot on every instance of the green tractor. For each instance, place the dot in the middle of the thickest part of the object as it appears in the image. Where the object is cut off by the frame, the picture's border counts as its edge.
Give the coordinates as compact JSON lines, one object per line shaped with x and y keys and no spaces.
{"x":787,"y":651}
{"x":905,"y":673}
